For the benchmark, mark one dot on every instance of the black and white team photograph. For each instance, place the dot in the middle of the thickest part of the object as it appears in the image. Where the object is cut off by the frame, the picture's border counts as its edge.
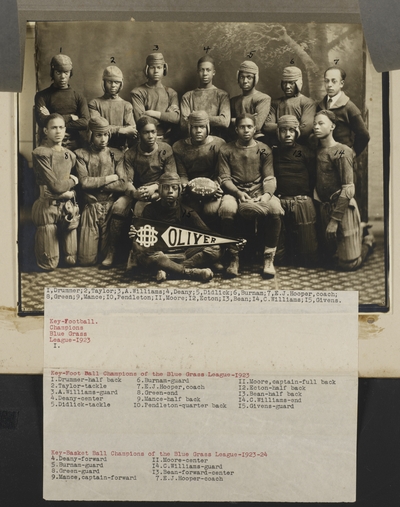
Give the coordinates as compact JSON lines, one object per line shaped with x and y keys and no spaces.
{"x":233,"y":156}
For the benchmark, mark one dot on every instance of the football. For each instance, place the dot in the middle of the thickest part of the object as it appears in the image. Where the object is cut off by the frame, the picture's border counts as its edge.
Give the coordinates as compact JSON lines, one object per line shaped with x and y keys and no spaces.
{"x":203,"y":187}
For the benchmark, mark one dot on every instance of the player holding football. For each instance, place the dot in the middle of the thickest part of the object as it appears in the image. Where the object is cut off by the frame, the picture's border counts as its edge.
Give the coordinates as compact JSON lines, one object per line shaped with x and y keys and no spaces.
{"x":197,"y":157}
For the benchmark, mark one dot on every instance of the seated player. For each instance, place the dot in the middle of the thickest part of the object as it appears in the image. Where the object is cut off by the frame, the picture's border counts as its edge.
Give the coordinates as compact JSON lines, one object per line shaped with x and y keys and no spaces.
{"x":197,"y":157}
{"x":193,"y":261}
{"x":103,"y":180}
{"x":251,"y":100}
{"x":145,"y":162}
{"x":294,"y":103}
{"x":156,"y":100}
{"x":55,"y":213}
{"x":335,"y":192}
{"x":247,"y":176}
{"x":116,"y":111}
{"x":294,"y":167}
{"x":62,"y":99}
{"x":350,"y":127}
{"x":207,"y":97}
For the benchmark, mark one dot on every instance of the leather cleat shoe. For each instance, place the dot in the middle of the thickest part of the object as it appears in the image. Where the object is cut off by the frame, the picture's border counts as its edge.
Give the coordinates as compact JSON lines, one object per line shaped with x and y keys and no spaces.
{"x":161,"y":276}
{"x":203,"y":275}
{"x":269,"y":268}
{"x":218,"y":267}
{"x":108,"y":261}
{"x":232,"y":271}
{"x":369,"y":240}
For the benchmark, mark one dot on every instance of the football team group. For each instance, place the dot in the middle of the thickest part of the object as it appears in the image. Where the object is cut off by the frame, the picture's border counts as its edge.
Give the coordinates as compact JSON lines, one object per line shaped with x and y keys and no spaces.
{"x":278,"y":171}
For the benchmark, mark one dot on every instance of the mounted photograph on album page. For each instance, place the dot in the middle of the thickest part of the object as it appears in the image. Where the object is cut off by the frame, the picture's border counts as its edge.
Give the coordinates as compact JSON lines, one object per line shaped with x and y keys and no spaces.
{"x":217,"y":156}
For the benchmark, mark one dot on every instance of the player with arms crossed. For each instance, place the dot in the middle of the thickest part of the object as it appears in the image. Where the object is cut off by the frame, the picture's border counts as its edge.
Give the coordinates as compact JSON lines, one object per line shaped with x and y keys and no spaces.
{"x":207,"y":97}
{"x":247,"y":176}
{"x":156,"y":100}
{"x":251,"y":100}
{"x":294,"y":103}
{"x":334,"y":192}
{"x":118,"y":112}
{"x":62,"y":99}
{"x":55,"y":213}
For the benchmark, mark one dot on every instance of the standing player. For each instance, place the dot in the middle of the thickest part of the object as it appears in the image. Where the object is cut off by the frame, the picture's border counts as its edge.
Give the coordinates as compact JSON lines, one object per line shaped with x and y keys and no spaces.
{"x":334,"y":191}
{"x":102,"y":177}
{"x":197,"y":157}
{"x":251,"y":100}
{"x":207,"y":97}
{"x":116,"y":111}
{"x":294,"y":167}
{"x":247,"y":176}
{"x":55,"y":213}
{"x":145,"y":162}
{"x":293,"y":103}
{"x":350,"y":127}
{"x":62,"y":99}
{"x":155,"y":100}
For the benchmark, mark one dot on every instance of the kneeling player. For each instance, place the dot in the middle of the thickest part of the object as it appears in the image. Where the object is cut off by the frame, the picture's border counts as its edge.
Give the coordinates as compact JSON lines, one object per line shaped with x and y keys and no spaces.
{"x":334,"y":191}
{"x":247,"y":176}
{"x":182,"y":263}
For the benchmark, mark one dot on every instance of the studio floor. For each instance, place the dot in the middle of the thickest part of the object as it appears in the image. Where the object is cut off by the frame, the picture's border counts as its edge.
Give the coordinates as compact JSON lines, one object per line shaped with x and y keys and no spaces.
{"x":369,"y":280}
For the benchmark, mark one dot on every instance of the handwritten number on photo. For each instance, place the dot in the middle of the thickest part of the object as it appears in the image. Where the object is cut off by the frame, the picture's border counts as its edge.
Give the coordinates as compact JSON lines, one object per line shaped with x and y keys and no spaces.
{"x":336,"y":60}
{"x":250,"y":55}
{"x":292,"y":61}
{"x":207,"y":49}
{"x":156,"y":47}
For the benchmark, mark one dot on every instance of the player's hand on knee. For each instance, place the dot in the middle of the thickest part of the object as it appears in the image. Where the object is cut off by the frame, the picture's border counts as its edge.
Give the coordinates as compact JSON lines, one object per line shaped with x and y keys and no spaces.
{"x":69,"y":194}
{"x":243,"y":197}
{"x":331,"y":229}
{"x":265,"y":197}
{"x":219,"y":192}
{"x":74,"y":179}
{"x":144,"y":194}
{"x":111,"y":178}
{"x":152,"y":189}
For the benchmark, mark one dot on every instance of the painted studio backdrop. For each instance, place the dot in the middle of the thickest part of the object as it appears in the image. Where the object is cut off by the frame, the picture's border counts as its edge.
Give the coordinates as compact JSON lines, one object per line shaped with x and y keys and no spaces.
{"x":312,"y":47}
